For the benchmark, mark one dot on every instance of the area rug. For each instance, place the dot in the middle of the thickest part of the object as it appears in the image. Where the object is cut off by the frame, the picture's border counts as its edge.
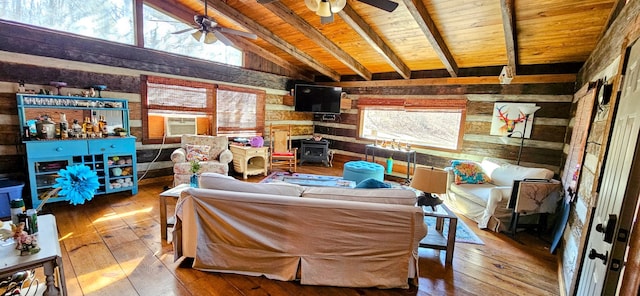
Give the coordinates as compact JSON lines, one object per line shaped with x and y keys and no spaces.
{"x":463,"y":233}
{"x":308,"y":179}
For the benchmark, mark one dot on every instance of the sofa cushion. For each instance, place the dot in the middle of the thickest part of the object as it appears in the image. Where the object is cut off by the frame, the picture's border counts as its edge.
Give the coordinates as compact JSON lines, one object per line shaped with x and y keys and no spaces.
{"x":468,"y":172}
{"x":505,"y":174}
{"x":477,"y":193}
{"x":373,"y":183}
{"x":197,"y":152}
{"x":223,"y":182}
{"x":382,"y":195}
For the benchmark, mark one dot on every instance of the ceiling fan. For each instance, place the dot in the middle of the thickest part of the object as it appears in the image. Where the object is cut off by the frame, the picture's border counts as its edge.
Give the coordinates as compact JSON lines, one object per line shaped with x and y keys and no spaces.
{"x":212,"y":32}
{"x":326,"y":8}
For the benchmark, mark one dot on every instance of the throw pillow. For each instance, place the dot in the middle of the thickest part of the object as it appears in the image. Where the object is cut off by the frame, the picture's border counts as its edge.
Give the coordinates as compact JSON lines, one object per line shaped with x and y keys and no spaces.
{"x":372,"y":183}
{"x":197,"y":152}
{"x":468,"y":172}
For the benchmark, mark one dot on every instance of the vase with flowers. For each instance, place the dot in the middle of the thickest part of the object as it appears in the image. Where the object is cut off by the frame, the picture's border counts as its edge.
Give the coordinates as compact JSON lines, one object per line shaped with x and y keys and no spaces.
{"x":195,"y":167}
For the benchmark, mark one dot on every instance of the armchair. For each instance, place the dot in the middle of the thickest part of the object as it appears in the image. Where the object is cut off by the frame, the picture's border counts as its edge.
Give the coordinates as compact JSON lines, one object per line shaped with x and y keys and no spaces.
{"x":212,"y":152}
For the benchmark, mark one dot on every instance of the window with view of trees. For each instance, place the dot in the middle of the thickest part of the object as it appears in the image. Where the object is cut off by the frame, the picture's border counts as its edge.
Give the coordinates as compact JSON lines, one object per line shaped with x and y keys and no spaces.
{"x":428,"y":122}
{"x":173,"y":107}
{"x":110,"y":20}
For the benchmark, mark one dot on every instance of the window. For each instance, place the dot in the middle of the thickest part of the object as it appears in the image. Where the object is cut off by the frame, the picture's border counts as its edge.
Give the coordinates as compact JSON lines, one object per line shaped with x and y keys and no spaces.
{"x":110,"y":20}
{"x":173,"y":107}
{"x":240,"y":111}
{"x":158,"y":29}
{"x":428,"y":122}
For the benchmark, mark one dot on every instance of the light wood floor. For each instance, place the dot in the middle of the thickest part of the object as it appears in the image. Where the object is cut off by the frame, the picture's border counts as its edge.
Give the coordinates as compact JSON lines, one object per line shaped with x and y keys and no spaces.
{"x":112,"y":246}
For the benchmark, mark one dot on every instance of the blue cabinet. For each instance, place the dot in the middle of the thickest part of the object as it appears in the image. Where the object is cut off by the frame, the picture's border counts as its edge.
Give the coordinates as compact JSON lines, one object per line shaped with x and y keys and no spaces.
{"x":111,"y":155}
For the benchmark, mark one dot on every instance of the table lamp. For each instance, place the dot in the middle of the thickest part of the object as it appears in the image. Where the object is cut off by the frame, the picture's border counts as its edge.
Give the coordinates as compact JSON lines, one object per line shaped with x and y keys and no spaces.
{"x":429,"y":180}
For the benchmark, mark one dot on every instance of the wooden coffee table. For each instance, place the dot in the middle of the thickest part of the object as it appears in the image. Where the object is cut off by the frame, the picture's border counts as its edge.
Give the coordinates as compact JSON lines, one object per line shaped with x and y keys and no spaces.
{"x":435,"y":238}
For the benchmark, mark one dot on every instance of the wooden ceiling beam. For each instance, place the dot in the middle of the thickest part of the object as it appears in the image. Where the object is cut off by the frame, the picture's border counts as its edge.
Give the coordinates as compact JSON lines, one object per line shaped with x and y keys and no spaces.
{"x":225,"y":9}
{"x":510,"y":37}
{"x":286,"y":14}
{"x":270,"y":56}
{"x":428,"y":27}
{"x":375,"y":41}
{"x":522,"y":79}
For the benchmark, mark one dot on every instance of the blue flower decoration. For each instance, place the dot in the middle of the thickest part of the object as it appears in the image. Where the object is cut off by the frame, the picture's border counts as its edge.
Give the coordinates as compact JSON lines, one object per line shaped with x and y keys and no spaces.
{"x":77,"y":183}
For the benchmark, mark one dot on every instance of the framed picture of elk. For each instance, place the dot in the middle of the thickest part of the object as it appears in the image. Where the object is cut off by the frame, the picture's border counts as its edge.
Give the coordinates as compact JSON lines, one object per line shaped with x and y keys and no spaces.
{"x":509,"y":119}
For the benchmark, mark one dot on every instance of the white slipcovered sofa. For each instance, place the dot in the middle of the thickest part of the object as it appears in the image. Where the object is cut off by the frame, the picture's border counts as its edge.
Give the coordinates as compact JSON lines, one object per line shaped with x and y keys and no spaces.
{"x":321,"y":236}
{"x":486,"y":203}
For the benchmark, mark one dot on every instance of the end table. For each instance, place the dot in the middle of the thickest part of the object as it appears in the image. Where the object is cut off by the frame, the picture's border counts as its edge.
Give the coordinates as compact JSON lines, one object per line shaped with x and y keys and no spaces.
{"x":174,"y":194}
{"x":435,"y":238}
{"x":49,"y":257}
{"x":250,"y":160}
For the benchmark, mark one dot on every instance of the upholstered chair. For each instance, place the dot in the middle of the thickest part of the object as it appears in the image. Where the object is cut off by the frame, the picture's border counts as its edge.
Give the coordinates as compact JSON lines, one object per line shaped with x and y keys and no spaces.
{"x":211,"y":152}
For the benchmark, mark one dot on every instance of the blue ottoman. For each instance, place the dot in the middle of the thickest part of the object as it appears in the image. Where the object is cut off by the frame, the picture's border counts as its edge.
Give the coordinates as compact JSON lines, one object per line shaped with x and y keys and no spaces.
{"x":358,"y":171}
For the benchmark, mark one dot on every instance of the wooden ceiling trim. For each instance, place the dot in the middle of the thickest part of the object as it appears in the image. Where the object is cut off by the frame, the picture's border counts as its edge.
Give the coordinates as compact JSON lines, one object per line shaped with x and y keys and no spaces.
{"x":253,"y":26}
{"x":521,"y":79}
{"x":426,"y":24}
{"x":286,"y":14}
{"x":508,"y":17}
{"x":354,"y":20}
{"x":252,"y":47}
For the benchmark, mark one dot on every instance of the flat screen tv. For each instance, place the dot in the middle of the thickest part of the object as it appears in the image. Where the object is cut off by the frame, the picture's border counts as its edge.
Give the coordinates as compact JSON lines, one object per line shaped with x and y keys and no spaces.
{"x":317,"y":99}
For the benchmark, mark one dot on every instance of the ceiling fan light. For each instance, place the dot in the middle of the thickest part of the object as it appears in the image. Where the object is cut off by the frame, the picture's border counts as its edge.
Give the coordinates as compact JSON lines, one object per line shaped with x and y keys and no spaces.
{"x":210,"y":38}
{"x":337,"y":5}
{"x":324,"y":9}
{"x":197,"y":35}
{"x":312,"y":4}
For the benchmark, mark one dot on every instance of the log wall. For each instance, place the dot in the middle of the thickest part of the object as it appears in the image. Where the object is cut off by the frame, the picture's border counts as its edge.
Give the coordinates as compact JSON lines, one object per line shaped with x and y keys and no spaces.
{"x":603,"y":64}
{"x":543,"y":149}
{"x":82,"y":62}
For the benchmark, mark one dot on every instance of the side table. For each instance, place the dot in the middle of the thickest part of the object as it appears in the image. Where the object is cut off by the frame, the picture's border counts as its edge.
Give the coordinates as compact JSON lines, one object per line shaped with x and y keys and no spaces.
{"x":49,"y":257}
{"x":250,"y":160}
{"x":410,"y":157}
{"x":174,"y":194}
{"x":435,"y":238}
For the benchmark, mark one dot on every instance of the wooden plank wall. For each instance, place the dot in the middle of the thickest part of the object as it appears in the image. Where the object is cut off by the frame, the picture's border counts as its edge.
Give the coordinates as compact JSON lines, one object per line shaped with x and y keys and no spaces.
{"x":543,"y":149}
{"x":82,"y":62}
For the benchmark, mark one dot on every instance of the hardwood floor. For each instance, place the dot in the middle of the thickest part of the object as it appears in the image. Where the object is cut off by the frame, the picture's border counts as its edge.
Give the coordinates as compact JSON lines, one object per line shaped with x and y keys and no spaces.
{"x":112,"y":246}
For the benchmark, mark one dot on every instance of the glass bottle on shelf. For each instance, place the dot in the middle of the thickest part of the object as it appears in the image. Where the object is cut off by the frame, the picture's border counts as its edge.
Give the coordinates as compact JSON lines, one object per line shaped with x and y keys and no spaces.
{"x":86,"y":126}
{"x":103,"y":125}
{"x":64,"y":126}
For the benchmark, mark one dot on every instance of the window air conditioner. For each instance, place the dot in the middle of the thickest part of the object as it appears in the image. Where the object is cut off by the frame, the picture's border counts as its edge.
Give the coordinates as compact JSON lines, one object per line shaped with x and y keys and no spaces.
{"x":177,"y":126}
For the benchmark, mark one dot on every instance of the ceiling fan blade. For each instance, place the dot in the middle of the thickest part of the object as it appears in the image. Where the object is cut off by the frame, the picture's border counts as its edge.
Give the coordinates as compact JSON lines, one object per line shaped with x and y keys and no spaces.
{"x":265,"y":1}
{"x":382,"y":4}
{"x":326,"y":19}
{"x":183,"y":31}
{"x":236,"y":32}
{"x":223,"y":38}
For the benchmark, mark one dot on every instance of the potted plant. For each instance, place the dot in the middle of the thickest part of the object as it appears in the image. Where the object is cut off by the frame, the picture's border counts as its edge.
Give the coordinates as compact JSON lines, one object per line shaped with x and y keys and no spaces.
{"x":120,"y":131}
{"x":195,"y":167}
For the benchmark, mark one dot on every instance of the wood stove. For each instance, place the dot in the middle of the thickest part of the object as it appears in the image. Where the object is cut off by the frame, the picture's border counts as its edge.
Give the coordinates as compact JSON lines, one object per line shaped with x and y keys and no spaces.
{"x":314,"y":151}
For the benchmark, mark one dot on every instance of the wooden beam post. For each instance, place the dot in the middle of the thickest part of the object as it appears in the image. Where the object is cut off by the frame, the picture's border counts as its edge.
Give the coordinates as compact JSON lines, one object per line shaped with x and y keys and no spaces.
{"x":428,"y":27}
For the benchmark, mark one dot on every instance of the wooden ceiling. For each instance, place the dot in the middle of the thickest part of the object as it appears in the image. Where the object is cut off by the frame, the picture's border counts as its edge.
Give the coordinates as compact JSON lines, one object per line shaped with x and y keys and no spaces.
{"x":364,"y":42}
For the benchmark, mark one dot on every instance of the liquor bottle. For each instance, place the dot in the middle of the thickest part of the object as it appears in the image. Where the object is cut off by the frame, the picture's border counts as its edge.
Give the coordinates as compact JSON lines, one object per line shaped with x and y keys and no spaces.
{"x":64,"y":126}
{"x":103,"y":125}
{"x":86,"y":126}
